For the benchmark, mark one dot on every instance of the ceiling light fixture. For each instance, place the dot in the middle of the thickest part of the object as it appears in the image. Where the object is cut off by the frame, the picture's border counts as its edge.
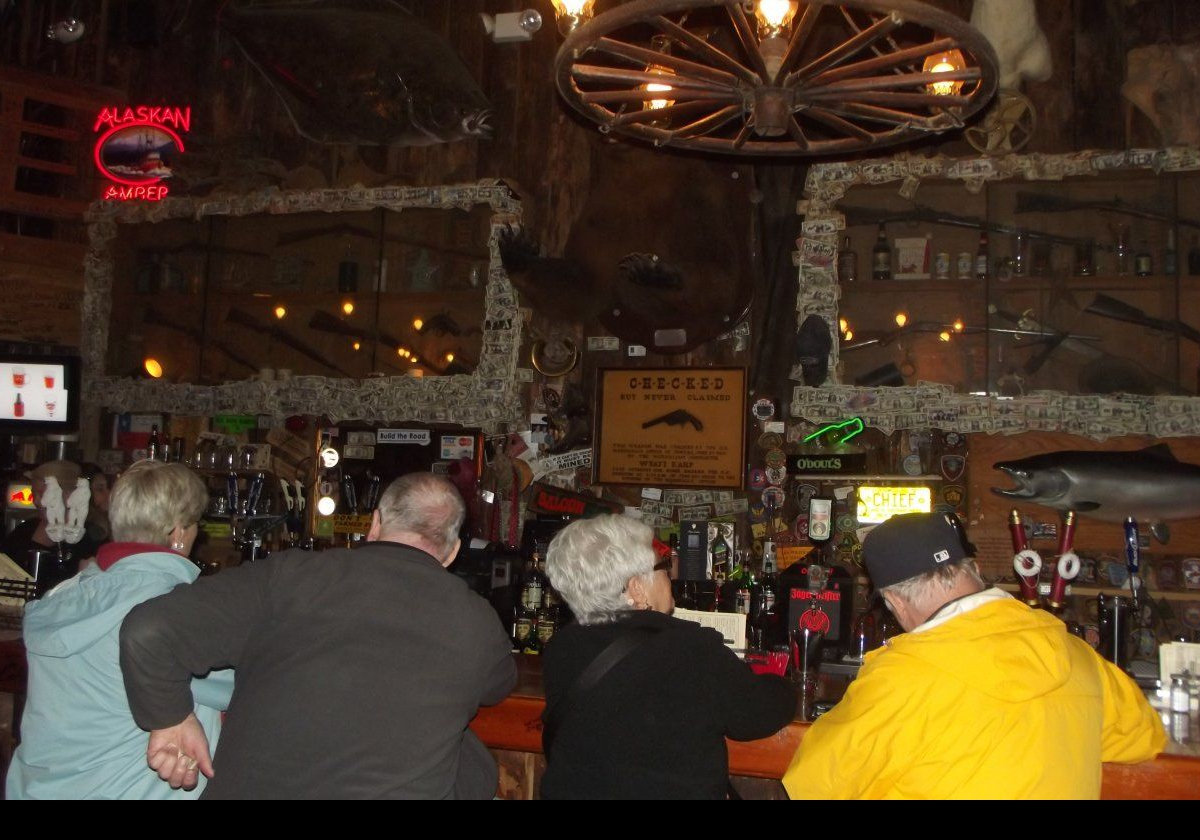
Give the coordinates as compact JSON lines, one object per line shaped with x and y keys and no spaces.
{"x":773,"y":77}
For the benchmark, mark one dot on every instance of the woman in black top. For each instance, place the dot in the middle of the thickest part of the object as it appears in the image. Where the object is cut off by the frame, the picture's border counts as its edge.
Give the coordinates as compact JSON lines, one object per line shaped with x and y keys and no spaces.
{"x":654,"y":726}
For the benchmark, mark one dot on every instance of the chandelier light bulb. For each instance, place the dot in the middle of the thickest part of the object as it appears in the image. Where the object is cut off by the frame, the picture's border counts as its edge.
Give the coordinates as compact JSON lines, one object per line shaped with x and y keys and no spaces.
{"x":774,"y":17}
{"x":572,"y":14}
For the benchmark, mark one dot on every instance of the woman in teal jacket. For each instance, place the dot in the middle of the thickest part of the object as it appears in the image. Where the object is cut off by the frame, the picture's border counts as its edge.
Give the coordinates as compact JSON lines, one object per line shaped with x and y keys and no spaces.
{"x":78,"y":736}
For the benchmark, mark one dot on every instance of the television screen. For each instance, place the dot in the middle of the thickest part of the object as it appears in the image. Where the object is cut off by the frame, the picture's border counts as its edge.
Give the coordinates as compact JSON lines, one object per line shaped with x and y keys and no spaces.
{"x":39,"y":393}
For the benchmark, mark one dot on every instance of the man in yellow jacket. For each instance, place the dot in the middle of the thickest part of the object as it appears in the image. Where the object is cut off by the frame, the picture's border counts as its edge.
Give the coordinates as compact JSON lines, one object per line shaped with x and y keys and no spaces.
{"x":981,"y":697}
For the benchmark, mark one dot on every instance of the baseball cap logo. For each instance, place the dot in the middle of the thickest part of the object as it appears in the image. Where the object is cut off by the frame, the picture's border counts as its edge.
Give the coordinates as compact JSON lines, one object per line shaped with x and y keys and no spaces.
{"x":941,"y":556}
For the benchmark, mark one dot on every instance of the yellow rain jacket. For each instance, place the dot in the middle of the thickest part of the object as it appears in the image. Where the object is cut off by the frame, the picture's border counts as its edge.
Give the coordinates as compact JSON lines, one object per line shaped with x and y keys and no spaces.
{"x":997,"y":702}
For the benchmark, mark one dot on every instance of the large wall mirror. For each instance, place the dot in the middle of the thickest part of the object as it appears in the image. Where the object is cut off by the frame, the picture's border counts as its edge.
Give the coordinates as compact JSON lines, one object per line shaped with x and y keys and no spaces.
{"x":1076,"y":311}
{"x":361,"y":304}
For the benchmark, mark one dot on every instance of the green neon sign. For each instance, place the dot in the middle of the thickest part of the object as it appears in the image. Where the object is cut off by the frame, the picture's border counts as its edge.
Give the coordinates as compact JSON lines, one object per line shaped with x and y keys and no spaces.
{"x":854,"y":423}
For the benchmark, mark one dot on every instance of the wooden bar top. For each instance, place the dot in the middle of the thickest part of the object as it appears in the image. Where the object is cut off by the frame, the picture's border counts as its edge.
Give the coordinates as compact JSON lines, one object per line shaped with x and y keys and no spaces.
{"x":516,"y":725}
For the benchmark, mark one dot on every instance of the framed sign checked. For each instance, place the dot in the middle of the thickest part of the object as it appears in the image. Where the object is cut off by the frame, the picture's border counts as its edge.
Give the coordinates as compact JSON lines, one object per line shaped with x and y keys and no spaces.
{"x":670,"y":427}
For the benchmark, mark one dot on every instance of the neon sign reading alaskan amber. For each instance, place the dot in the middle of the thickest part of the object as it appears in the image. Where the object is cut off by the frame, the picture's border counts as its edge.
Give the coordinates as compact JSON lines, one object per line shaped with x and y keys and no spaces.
{"x":137,"y":148}
{"x":878,"y":504}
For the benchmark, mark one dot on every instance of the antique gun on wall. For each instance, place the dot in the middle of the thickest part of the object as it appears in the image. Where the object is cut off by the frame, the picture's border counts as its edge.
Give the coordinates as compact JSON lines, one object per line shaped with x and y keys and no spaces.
{"x":921,"y":213}
{"x":1034,"y":202}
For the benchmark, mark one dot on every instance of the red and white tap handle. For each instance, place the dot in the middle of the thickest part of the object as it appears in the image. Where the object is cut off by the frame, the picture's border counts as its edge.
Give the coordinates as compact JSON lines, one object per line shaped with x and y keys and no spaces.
{"x":1068,"y":562}
{"x":1026,"y":561}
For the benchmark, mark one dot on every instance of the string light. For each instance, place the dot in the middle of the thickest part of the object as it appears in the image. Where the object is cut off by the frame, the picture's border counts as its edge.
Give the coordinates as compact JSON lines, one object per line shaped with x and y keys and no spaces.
{"x":280,"y":311}
{"x":348,"y":307}
{"x":418,"y":324}
{"x":901,"y":319}
{"x":944,"y":335}
{"x":843,"y":325}
{"x":959,"y":326}
{"x":153,"y":367}
{"x":849,"y":335}
{"x":449,"y":357}
{"x":357,"y":345}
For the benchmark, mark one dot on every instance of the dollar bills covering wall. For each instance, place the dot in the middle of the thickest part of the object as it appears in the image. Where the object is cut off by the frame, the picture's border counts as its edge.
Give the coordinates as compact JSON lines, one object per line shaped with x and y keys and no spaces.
{"x":931,"y":404}
{"x":487,"y":398}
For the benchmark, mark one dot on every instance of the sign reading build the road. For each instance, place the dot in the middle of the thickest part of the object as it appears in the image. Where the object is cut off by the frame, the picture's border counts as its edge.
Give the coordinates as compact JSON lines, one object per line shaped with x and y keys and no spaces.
{"x":671,"y":427}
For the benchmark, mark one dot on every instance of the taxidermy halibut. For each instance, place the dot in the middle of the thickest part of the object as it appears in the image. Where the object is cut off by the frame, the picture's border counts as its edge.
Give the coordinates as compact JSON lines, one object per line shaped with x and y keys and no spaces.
{"x":1147,"y":484}
{"x":366,"y":73}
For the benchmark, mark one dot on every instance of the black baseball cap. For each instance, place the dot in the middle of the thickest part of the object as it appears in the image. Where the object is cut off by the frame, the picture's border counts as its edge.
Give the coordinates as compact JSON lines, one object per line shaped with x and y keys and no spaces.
{"x":912,"y":544}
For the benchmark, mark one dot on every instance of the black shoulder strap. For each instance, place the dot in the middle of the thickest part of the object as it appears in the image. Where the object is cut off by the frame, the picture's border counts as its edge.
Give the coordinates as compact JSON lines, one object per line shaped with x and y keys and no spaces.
{"x":617,"y":650}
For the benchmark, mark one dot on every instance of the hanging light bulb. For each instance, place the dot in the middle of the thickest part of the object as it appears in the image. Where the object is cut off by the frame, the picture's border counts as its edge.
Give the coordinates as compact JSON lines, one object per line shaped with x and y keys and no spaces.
{"x":357,"y":345}
{"x":959,"y":326}
{"x":153,"y":367}
{"x":414,"y":360}
{"x":348,"y":307}
{"x":449,"y":358}
{"x":280,"y":312}
{"x":944,"y":335}
{"x":774,"y":17}
{"x":418,"y":324}
{"x":572,"y":14}
{"x":661,"y":44}
{"x":901,"y":319}
{"x":944,"y":62}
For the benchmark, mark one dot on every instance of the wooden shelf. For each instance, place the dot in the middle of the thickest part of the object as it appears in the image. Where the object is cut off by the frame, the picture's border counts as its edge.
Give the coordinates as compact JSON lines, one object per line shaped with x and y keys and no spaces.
{"x":893,"y":286}
{"x":1093,"y":591}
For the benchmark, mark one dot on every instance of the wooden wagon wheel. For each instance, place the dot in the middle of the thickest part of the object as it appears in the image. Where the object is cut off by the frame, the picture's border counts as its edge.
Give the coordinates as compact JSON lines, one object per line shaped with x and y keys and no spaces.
{"x":846,"y":76}
{"x":1007,"y":126}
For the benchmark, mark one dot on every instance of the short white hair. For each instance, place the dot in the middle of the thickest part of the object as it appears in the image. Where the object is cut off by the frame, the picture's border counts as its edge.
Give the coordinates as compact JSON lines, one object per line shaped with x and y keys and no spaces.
{"x":424,"y":504}
{"x":590,"y":562}
{"x":151,"y":498}
{"x":936,"y":583}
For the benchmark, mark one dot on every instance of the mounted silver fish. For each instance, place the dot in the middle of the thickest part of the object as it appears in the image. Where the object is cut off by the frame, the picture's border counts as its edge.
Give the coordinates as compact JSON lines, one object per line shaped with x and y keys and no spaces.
{"x":360,"y":72}
{"x":1147,"y":484}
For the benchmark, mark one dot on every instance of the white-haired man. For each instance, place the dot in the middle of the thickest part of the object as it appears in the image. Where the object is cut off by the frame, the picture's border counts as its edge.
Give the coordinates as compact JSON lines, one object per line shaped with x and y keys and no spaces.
{"x":357,"y":672}
{"x":981,"y":697}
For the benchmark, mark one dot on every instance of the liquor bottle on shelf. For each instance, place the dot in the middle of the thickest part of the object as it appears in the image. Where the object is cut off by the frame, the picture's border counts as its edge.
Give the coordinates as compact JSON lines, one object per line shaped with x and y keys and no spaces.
{"x":847,"y":263}
{"x":1143,"y":263}
{"x":1170,"y":257}
{"x":1020,"y":261}
{"x":154,"y":447}
{"x":981,"y":257}
{"x":764,"y":623}
{"x":534,"y":585}
{"x":719,"y":551}
{"x":881,"y":257}
{"x":735,"y":594}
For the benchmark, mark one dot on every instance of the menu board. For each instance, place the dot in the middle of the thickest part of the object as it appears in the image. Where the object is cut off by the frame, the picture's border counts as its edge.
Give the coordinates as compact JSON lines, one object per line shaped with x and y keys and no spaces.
{"x":33,"y":392}
{"x":671,"y":427}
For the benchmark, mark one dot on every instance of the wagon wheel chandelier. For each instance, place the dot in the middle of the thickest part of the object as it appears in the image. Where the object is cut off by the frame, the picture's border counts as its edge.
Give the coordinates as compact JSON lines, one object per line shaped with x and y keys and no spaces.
{"x":772,"y":77}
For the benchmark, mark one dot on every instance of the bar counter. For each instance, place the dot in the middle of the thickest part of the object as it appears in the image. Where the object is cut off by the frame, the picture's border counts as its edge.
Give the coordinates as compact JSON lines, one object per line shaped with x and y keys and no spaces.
{"x":513,"y":730}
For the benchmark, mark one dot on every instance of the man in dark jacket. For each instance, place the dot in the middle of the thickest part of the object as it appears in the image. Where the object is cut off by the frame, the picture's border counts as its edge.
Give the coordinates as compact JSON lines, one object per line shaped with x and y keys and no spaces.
{"x":357,"y":672}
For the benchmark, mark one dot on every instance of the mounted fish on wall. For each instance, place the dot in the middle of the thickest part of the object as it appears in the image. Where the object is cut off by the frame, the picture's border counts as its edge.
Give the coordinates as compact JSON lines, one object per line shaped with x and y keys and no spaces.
{"x":1147,"y":484}
{"x":396,"y":81}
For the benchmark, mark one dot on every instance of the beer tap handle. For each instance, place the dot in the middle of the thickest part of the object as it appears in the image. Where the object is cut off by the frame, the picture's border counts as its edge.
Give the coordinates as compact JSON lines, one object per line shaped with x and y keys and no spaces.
{"x":1133,"y":557}
{"x":1067,"y":567}
{"x":1026,"y":562}
{"x":254,"y":493}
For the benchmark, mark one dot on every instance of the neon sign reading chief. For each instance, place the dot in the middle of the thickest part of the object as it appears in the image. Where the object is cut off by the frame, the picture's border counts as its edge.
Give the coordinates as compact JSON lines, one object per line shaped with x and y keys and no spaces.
{"x":136,"y":149}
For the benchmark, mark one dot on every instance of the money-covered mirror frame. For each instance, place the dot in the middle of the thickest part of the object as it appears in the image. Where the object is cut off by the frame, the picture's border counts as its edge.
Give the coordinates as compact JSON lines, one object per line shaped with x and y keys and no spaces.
{"x":936,"y":405}
{"x":487,"y":398}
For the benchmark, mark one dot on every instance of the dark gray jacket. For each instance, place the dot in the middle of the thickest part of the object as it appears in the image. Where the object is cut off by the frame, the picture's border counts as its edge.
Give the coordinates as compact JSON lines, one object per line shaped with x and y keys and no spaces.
{"x":357,"y":673}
